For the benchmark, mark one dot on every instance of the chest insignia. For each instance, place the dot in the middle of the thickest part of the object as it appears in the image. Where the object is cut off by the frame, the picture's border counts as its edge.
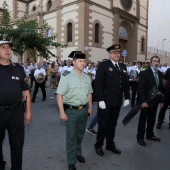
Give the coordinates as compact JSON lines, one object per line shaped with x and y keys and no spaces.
{"x":110,"y":69}
{"x":15,"y":78}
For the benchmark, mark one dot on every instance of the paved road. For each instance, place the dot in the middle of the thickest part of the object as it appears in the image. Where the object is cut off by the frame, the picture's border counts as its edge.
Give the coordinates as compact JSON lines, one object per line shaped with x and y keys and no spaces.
{"x":44,"y":147}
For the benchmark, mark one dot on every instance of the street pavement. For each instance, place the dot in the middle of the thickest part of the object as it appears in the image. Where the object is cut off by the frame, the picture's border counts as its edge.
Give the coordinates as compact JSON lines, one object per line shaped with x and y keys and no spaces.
{"x":44,"y":147}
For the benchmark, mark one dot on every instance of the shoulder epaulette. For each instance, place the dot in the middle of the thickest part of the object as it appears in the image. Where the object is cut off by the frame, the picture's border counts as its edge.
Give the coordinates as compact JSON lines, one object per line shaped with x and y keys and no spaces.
{"x":104,"y":60}
{"x":65,"y":73}
{"x":85,"y":73}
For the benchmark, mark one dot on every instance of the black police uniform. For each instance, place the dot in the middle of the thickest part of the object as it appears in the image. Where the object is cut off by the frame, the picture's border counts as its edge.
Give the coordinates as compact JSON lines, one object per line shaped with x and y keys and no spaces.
{"x":12,"y":83}
{"x":166,"y":100}
{"x":110,"y":84}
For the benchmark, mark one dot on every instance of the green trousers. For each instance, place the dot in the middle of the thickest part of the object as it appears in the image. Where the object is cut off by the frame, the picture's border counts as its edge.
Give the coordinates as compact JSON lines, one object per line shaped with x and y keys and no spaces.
{"x":75,"y":129}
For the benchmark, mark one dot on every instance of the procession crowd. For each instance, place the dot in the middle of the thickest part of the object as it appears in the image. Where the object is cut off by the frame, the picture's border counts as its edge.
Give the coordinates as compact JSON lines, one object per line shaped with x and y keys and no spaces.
{"x":78,"y":84}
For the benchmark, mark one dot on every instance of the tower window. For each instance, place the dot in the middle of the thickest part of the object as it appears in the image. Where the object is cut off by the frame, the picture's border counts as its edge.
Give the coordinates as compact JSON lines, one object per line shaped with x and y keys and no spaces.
{"x":49,"y":5}
{"x":69,"y":32}
{"x":142,"y":44}
{"x":34,"y":8}
{"x":97,"y":27}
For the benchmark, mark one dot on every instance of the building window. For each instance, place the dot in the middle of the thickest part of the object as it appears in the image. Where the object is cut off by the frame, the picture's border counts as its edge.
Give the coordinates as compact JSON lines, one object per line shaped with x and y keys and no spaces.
{"x":34,"y":8}
{"x":69,"y":32}
{"x":49,"y":32}
{"x":142,"y":44}
{"x":123,"y":32}
{"x":97,"y":28}
{"x":49,"y":4}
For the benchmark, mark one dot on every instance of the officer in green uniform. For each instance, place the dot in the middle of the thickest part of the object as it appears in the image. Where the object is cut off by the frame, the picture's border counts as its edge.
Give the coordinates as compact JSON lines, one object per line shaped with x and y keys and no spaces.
{"x":74,"y":98}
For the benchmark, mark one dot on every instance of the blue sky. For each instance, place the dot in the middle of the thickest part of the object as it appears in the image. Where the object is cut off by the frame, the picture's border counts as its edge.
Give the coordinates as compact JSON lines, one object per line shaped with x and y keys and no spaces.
{"x":159,"y":24}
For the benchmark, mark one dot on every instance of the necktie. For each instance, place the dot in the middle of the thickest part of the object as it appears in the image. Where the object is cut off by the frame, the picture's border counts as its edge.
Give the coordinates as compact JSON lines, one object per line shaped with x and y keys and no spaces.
{"x":117,"y":67}
{"x":156,"y":78}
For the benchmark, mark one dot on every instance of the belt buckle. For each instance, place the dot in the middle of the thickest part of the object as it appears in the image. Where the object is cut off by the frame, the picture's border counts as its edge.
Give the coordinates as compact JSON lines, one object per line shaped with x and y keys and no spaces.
{"x":80,"y":107}
{"x":6,"y":108}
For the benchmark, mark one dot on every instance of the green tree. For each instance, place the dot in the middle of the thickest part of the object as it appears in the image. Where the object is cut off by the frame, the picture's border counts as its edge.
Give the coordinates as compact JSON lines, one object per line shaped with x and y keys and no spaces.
{"x":27,"y":35}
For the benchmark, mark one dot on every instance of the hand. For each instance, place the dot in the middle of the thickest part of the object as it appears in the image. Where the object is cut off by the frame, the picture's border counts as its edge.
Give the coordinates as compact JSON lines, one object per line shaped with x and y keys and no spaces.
{"x":144,"y":105}
{"x":102,"y":105}
{"x":161,"y":105}
{"x":63,"y":117}
{"x":28,"y":118}
{"x":90,"y":111}
{"x":126,"y":102}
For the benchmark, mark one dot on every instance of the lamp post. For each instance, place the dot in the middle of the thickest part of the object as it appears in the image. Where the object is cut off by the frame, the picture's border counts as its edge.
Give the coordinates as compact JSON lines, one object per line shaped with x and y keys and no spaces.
{"x":162,"y":43}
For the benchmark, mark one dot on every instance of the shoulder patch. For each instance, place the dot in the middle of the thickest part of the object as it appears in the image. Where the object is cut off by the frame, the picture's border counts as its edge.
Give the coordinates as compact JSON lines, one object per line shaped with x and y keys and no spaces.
{"x":65,"y":73}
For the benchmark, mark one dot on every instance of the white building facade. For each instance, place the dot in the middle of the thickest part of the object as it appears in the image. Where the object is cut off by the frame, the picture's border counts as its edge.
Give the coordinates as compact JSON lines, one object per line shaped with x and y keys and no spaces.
{"x":90,"y":26}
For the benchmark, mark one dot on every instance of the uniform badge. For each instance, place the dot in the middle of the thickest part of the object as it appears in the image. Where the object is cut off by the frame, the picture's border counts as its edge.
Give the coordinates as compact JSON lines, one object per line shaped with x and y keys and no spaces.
{"x":26,"y":80}
{"x":124,"y":71}
{"x":110,"y":69}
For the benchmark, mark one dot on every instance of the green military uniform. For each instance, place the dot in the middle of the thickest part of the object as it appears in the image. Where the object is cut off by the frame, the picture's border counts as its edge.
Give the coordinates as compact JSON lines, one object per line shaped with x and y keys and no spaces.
{"x":75,"y":90}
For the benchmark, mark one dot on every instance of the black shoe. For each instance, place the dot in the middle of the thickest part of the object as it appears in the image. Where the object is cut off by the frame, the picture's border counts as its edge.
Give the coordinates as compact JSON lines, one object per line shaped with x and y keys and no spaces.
{"x":99,"y":151}
{"x":71,"y":167}
{"x":33,"y":101}
{"x":43,"y":99}
{"x":154,"y":138}
{"x":142,"y":142}
{"x":91,"y":131}
{"x":2,"y":165}
{"x":159,"y":125}
{"x":113,"y":149}
{"x":80,"y":158}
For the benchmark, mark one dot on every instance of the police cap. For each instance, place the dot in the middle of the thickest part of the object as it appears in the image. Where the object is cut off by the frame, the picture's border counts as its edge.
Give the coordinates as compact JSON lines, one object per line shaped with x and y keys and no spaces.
{"x":4,"y":41}
{"x":115,"y":47}
{"x":77,"y":55}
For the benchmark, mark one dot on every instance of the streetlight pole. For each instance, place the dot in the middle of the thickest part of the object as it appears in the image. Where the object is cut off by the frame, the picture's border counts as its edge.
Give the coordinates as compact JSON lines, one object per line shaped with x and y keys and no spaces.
{"x":162,"y":43}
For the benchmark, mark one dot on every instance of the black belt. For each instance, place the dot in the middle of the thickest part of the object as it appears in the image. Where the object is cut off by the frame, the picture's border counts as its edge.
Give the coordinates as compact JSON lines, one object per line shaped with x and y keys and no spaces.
{"x":9,"y":107}
{"x":67,"y":106}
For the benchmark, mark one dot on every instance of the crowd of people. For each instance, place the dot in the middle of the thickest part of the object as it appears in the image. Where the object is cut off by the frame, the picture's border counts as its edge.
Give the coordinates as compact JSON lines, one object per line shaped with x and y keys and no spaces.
{"x":78,"y":84}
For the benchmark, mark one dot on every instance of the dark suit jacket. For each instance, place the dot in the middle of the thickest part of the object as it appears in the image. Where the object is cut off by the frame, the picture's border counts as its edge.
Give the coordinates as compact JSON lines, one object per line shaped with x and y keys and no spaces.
{"x":146,"y":83}
{"x":110,"y":84}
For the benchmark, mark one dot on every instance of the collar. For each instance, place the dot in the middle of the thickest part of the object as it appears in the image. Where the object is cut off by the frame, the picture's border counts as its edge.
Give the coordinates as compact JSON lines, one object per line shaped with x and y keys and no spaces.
{"x":73,"y":73}
{"x":153,"y":70}
{"x":114,"y":62}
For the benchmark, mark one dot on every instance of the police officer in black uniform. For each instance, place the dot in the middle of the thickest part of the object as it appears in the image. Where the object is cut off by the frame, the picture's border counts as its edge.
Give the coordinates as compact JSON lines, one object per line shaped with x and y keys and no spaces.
{"x":14,"y":90}
{"x":111,"y":83}
{"x":166,"y":101}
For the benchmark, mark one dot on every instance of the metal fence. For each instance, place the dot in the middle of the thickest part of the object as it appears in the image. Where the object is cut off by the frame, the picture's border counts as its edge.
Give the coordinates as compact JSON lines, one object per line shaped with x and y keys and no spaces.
{"x":158,"y":51}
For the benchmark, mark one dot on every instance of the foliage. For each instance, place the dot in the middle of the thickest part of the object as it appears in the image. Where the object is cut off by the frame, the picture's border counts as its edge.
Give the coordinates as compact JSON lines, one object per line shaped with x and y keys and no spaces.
{"x":28,"y":35}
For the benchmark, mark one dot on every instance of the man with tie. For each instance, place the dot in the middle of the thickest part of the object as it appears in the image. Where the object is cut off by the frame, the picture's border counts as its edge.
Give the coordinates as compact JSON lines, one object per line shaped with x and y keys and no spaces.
{"x":111,"y":83}
{"x":147,"y":79}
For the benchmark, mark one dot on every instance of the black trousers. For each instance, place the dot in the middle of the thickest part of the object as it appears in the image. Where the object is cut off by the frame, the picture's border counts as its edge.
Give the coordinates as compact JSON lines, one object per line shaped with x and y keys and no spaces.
{"x":107,"y":121}
{"x":32,"y":79}
{"x":94,"y":91}
{"x":36,"y":87}
{"x":134,"y":88}
{"x":147,"y":115}
{"x":13,"y":122}
{"x":162,"y":112}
